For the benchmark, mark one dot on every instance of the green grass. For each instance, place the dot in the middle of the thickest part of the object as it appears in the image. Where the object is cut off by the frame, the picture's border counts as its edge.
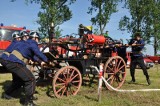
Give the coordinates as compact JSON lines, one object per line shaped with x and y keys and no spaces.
{"x":88,"y":96}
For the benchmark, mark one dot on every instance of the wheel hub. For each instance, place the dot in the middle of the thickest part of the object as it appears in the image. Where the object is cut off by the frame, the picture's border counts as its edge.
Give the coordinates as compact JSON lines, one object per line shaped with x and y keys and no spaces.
{"x":68,"y":82}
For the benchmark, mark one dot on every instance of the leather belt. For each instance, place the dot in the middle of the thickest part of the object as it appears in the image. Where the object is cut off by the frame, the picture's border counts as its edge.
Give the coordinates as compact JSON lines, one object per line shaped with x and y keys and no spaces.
{"x":19,"y":56}
{"x":6,"y":53}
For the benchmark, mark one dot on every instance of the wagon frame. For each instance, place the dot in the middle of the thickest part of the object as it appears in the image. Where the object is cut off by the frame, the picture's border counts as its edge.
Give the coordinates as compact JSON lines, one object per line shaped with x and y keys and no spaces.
{"x":67,"y":78}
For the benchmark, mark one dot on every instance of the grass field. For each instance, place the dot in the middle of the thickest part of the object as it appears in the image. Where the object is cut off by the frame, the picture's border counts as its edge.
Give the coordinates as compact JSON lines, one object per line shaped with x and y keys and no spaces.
{"x":87,"y":96}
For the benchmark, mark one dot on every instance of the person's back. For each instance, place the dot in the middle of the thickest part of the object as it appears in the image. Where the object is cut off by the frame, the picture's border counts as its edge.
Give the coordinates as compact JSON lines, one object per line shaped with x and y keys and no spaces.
{"x":27,"y":49}
{"x":9,"y":49}
{"x":16,"y":38}
{"x":16,"y":64}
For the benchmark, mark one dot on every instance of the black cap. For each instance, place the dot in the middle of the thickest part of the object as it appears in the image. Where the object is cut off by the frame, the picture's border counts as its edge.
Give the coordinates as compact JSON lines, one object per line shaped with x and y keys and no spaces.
{"x":137,"y":34}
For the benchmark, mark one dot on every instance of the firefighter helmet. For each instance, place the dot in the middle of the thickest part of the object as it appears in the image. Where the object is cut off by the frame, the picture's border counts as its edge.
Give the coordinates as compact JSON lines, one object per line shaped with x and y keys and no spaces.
{"x":24,"y":33}
{"x":34,"y":34}
{"x":15,"y":35}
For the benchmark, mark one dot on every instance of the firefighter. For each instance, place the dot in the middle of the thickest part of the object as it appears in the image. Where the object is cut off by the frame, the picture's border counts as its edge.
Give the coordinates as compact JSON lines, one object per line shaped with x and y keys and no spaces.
{"x":16,"y":64}
{"x":24,"y":34}
{"x":137,"y":57}
{"x":16,"y":38}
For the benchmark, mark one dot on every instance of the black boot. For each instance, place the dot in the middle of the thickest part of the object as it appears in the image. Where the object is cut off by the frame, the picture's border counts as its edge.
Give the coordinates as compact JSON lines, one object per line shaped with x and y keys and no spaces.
{"x":133,"y":80}
{"x":29,"y":101}
{"x":6,"y":96}
{"x":148,"y":80}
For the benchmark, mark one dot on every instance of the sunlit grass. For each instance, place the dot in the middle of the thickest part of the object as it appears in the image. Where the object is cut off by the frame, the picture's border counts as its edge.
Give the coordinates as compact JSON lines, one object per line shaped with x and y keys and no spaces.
{"x":87,"y":96}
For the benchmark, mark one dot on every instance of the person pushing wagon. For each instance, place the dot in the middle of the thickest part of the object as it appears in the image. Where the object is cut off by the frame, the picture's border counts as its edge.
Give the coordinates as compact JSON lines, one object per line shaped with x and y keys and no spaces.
{"x":16,"y":64}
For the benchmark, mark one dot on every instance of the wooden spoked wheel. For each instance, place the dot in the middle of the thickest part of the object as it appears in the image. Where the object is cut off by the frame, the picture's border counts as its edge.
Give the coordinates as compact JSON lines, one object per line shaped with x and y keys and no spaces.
{"x":67,"y":81}
{"x":115,"y":72}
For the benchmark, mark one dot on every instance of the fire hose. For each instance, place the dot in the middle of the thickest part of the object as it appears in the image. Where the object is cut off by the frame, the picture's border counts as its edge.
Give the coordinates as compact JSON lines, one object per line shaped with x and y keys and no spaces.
{"x":101,"y":79}
{"x":119,"y":90}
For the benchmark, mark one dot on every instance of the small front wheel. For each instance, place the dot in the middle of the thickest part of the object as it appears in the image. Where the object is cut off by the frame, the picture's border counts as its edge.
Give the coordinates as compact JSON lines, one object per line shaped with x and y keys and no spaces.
{"x":67,"y":81}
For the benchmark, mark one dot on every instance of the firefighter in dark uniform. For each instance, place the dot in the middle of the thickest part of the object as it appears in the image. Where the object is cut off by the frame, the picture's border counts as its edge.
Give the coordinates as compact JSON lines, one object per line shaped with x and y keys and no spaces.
{"x":16,"y":64}
{"x":25,"y":35}
{"x":16,"y":38}
{"x":137,"y":57}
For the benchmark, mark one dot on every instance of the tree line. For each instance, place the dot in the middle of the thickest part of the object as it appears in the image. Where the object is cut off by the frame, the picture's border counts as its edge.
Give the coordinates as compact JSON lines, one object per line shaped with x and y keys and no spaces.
{"x":144,"y":17}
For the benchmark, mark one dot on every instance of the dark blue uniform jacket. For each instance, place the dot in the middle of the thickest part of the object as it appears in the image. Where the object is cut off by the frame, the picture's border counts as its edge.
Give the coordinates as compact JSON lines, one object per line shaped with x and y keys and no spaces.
{"x":9,"y":49}
{"x":136,"y":50}
{"x":28,"y":49}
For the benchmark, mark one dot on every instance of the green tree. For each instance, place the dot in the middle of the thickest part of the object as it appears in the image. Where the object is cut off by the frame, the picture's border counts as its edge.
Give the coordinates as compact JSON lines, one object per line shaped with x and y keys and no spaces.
{"x":135,"y":23}
{"x":52,"y":14}
{"x":103,"y":10}
{"x":144,"y":18}
{"x":152,"y":21}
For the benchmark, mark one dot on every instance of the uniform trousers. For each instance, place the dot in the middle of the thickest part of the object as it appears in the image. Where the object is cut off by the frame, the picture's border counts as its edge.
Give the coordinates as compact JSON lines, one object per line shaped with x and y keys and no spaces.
{"x":21,"y":77}
{"x":137,"y":60}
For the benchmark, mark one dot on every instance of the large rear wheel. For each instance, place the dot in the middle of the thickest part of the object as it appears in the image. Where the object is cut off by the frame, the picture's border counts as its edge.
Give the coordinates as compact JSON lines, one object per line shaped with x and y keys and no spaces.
{"x":115,"y":72}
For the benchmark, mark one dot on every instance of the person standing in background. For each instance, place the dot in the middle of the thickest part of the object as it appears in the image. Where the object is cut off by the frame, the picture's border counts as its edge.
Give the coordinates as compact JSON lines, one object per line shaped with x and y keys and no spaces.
{"x":137,"y":44}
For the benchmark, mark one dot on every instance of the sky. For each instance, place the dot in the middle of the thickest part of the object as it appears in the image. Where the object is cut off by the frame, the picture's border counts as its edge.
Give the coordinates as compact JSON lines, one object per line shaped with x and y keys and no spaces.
{"x":20,"y":14}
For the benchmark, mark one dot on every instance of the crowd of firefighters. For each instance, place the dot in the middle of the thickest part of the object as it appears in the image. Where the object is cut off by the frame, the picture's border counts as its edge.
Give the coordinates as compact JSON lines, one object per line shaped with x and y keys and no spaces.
{"x":24,"y":49}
